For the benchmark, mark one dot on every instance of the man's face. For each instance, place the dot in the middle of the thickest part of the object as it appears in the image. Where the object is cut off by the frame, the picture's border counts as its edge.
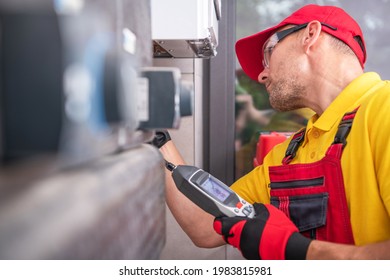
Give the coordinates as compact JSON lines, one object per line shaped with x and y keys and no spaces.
{"x":283,"y":76}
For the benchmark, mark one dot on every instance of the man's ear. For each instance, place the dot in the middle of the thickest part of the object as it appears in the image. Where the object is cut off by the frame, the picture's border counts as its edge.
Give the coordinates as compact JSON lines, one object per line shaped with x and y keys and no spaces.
{"x":311,"y":34}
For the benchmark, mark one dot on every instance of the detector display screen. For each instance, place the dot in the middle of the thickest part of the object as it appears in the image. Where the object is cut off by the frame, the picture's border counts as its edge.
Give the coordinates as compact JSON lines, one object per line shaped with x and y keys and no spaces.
{"x":213,"y":188}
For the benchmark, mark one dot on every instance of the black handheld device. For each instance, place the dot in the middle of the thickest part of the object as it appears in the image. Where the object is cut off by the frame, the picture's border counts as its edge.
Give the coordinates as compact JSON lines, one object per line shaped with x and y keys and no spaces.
{"x":209,"y":193}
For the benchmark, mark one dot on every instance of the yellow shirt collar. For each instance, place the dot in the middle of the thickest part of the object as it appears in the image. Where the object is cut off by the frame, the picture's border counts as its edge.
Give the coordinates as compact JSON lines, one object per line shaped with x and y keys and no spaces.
{"x":346,"y":101}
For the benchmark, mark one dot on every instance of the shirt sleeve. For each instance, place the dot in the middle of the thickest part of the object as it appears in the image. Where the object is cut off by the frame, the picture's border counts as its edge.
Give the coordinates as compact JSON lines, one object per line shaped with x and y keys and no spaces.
{"x":254,"y":186}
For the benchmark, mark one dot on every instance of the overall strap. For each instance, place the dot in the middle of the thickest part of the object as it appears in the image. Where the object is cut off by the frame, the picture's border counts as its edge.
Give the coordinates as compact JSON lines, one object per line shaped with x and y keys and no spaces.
{"x":293,"y":146}
{"x":339,"y":142}
{"x":344,"y":128}
{"x":340,"y":138}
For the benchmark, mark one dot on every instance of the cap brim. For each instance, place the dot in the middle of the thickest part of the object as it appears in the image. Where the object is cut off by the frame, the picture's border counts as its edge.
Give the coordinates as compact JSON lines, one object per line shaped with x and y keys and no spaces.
{"x":249,"y":51}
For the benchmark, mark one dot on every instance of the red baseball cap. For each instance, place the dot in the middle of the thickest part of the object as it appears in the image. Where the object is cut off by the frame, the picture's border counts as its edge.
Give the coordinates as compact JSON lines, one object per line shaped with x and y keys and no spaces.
{"x":249,"y":49}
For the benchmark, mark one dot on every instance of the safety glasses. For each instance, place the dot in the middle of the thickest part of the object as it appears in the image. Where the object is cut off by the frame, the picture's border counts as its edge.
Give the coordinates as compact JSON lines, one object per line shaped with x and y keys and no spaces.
{"x":270,"y":44}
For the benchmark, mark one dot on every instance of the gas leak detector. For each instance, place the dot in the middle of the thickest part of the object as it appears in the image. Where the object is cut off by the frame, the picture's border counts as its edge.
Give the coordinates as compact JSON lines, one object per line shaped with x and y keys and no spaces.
{"x":209,"y":193}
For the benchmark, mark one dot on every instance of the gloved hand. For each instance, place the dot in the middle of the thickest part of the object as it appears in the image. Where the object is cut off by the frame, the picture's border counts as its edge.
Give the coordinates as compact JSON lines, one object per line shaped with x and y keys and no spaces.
{"x":270,"y":235}
{"x":161,"y":137}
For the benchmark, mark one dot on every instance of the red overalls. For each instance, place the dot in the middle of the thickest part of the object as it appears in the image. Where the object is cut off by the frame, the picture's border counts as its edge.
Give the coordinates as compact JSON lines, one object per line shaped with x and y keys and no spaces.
{"x":312,"y":195}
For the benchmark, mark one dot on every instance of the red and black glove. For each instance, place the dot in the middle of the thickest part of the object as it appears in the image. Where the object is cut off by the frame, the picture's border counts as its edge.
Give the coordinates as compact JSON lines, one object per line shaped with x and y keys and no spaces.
{"x":270,"y":235}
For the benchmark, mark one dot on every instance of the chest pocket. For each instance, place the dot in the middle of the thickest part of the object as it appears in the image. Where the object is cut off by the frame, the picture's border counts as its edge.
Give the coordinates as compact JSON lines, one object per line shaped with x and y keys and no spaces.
{"x":305,"y":202}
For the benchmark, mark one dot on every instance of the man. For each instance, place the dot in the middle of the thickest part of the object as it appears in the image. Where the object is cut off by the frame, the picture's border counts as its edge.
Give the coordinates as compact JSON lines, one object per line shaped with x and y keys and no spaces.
{"x":325,"y":192}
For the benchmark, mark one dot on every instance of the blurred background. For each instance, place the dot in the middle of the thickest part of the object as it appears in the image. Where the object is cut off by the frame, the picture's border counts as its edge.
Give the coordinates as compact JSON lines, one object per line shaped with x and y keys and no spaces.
{"x":254,"y":116}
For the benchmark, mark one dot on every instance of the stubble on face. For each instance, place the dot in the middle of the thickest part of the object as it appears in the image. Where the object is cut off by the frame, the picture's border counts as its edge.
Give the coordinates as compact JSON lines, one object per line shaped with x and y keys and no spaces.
{"x":286,"y":92}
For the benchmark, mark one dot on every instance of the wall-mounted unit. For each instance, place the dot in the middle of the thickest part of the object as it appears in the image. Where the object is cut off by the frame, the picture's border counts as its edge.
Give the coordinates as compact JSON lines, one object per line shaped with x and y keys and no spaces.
{"x":185,"y":28}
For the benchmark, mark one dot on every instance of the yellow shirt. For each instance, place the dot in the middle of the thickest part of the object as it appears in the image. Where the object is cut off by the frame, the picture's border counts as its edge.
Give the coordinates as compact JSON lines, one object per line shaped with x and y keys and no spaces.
{"x":365,"y":161}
